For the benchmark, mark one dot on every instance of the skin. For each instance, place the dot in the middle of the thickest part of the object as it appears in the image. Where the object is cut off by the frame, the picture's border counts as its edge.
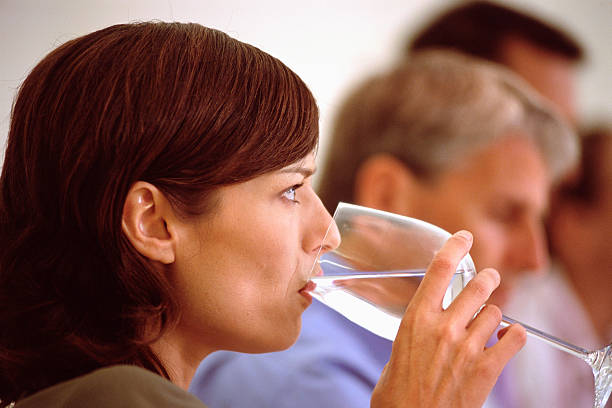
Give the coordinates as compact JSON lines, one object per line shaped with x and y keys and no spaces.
{"x":239,"y":270}
{"x":464,"y":371}
{"x":587,"y":256}
{"x":240,"y":273}
{"x":499,"y":193}
{"x":550,"y":73}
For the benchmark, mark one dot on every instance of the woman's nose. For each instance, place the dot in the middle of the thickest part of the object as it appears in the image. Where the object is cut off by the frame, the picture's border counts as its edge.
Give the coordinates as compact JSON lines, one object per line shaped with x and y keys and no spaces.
{"x":332,"y":237}
{"x":325,"y":236}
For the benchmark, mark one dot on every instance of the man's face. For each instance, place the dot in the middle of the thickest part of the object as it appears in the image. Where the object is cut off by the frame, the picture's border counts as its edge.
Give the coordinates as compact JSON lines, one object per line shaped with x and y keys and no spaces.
{"x":551,"y":74}
{"x":500,"y":194}
{"x":600,"y":214}
{"x":580,"y":230}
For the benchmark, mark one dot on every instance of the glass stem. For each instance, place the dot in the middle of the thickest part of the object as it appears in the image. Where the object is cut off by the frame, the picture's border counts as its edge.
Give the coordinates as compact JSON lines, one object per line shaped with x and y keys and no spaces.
{"x":547,"y":338}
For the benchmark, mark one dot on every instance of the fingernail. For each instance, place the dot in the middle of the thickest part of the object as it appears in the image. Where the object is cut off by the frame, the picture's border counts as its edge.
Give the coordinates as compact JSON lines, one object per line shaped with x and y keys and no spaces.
{"x":464,"y":234}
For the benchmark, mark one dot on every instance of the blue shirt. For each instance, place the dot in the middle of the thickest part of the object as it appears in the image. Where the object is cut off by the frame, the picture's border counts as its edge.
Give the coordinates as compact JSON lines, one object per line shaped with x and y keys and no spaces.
{"x":334,"y":363}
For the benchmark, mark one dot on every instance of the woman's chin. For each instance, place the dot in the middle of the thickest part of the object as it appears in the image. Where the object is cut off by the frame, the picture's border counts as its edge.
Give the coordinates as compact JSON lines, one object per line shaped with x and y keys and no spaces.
{"x":273,"y":340}
{"x":288,"y":339}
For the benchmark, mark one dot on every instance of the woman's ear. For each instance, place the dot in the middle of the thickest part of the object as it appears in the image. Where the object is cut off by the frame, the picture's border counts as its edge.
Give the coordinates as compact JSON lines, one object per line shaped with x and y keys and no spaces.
{"x":146,"y":213}
{"x":385,"y":183}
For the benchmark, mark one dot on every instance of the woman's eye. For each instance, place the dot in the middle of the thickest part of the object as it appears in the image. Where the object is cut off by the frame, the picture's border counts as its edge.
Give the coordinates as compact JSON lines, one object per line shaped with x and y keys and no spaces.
{"x":290,"y":194}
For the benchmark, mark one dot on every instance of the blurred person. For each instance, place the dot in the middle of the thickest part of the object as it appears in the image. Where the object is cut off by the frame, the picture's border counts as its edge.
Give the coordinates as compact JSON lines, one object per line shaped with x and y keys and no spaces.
{"x":574,"y":302}
{"x":547,"y":57}
{"x":156,"y":206}
{"x":452,"y":140}
{"x":543,"y":54}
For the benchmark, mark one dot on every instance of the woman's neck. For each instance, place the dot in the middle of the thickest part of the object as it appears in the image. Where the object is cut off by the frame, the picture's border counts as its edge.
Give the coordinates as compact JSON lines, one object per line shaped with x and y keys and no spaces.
{"x":179,"y":357}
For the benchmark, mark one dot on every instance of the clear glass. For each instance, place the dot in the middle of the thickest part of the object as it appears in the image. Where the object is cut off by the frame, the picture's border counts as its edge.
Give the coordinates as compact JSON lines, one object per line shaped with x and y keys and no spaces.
{"x":371,"y":277}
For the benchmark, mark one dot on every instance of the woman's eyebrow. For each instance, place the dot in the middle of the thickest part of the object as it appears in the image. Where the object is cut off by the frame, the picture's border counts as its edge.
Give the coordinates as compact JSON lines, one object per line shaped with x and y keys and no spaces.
{"x":305,"y":171}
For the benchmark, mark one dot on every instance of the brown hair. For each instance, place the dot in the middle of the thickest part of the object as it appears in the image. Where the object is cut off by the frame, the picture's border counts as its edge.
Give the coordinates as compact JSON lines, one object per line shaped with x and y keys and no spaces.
{"x":479,"y":27}
{"x":184,"y":107}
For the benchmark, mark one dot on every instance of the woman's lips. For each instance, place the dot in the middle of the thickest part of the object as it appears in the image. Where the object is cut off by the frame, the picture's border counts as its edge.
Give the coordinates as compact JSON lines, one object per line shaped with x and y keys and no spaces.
{"x":305,"y":291}
{"x":309,"y":287}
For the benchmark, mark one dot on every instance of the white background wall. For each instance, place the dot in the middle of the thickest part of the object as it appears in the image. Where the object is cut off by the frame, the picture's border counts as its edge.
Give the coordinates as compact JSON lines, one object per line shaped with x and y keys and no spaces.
{"x":329,"y":43}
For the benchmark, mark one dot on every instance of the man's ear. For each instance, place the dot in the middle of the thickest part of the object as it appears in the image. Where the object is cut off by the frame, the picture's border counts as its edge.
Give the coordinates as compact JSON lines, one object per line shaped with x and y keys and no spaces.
{"x":145,"y":217}
{"x":385,"y":183}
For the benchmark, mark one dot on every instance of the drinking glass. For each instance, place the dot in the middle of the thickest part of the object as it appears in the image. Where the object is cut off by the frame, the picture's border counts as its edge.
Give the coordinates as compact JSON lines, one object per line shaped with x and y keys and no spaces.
{"x":371,"y":276}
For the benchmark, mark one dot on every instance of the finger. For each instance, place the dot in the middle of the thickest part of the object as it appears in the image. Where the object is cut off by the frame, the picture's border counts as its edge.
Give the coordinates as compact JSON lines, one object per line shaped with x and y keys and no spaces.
{"x":474,"y":295}
{"x":441,"y":269}
{"x":484,"y":324}
{"x":509,"y":344}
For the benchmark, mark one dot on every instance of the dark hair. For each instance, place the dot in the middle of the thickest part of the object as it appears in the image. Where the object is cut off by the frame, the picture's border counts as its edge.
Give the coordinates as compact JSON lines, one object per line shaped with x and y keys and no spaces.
{"x":478,"y":28}
{"x":181,"y":106}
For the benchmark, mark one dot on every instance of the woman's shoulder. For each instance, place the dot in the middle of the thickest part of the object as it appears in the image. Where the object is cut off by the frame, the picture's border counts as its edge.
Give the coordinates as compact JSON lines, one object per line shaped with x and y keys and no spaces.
{"x":115,"y":386}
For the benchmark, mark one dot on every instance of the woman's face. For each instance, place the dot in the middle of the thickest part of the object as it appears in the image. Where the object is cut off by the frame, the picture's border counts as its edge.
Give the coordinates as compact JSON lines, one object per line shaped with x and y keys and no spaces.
{"x":241,"y":269}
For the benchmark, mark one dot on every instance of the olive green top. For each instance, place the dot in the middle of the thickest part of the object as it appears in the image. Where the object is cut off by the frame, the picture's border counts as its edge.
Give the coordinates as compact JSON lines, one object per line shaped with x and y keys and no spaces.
{"x":119,"y":386}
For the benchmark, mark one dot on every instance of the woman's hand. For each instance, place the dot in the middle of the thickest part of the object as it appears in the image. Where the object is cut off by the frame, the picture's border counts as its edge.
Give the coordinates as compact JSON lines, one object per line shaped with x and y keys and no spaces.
{"x":439,"y":358}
